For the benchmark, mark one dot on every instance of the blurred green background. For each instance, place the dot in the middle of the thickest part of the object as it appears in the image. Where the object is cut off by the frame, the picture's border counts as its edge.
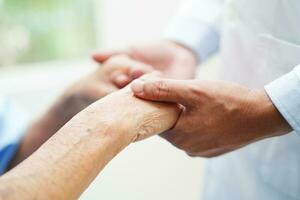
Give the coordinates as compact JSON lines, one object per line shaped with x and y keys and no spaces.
{"x":43,"y":30}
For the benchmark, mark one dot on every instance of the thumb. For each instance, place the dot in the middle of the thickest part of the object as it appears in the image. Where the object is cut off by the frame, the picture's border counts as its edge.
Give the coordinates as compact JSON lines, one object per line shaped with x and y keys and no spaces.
{"x":166,"y":90}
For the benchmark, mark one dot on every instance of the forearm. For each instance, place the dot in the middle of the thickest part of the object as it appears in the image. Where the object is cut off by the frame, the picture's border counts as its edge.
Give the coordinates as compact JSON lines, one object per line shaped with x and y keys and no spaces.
{"x":65,"y":165}
{"x":41,"y":130}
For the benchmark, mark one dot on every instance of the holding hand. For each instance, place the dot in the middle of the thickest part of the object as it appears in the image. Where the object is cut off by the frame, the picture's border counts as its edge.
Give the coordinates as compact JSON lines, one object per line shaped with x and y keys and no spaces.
{"x":218,"y":117}
{"x":77,"y":97}
{"x":83,"y":146}
{"x":114,"y":74}
{"x":129,"y":115}
{"x":172,"y":59}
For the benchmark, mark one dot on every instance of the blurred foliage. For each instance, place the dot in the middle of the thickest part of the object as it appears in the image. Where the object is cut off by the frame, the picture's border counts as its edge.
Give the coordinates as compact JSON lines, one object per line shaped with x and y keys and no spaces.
{"x":39,"y":30}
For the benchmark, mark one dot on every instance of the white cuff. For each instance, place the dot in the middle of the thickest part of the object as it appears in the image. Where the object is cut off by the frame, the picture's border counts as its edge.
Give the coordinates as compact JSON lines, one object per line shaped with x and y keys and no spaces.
{"x":285,"y":94}
{"x":198,"y":36}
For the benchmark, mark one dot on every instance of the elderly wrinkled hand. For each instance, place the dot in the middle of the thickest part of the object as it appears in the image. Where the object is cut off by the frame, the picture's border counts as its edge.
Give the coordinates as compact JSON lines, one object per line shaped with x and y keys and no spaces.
{"x":78,"y":96}
{"x":84,"y":146}
{"x":132,"y":116}
{"x":217,"y":117}
{"x":114,"y":74}
{"x":172,"y":59}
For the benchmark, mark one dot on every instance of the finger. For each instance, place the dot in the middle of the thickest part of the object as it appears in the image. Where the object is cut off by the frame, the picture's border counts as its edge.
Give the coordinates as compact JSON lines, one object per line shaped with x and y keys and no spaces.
{"x":135,"y":74}
{"x":120,"y":79}
{"x":162,"y":90}
{"x":105,"y":55}
{"x":138,"y":69}
{"x":124,"y":70}
{"x":152,"y":76}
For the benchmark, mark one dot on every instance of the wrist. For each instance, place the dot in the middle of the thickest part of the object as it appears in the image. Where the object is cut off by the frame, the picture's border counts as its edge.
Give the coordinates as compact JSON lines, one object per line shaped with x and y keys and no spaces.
{"x":101,"y":121}
{"x":268,"y":119}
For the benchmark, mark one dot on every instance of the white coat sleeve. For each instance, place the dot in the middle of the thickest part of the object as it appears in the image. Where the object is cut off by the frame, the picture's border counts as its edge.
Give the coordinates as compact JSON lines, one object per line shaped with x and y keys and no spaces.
{"x":285,"y":94}
{"x":196,"y":26}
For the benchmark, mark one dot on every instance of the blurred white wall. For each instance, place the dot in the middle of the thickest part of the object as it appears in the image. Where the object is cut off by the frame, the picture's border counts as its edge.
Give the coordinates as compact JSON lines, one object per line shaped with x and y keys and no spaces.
{"x":127,"y":21}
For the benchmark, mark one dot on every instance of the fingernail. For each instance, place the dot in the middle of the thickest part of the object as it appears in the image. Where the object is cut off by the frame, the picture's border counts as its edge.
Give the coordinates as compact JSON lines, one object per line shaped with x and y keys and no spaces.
{"x":137,"y":87}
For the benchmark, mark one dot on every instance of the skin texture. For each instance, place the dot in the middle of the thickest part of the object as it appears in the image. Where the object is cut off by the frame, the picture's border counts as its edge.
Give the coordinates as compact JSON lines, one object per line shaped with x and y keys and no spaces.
{"x":218,"y":116}
{"x":67,"y":163}
{"x":172,"y":59}
{"x":78,"y":96}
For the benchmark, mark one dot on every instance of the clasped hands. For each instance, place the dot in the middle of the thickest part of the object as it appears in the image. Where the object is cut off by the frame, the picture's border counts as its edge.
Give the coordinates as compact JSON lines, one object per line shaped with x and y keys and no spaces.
{"x":105,"y":111}
{"x":217,"y":117}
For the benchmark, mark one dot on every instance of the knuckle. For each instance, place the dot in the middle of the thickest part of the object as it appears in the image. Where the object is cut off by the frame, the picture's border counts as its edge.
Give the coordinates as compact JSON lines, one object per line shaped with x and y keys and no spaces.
{"x":160,"y":89}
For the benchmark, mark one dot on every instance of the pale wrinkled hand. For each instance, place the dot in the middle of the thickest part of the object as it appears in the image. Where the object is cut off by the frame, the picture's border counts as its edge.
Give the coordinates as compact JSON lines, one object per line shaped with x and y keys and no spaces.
{"x":218,"y":116}
{"x":77,"y":97}
{"x":135,"y":118}
{"x":173,"y":60}
{"x":99,"y":83}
